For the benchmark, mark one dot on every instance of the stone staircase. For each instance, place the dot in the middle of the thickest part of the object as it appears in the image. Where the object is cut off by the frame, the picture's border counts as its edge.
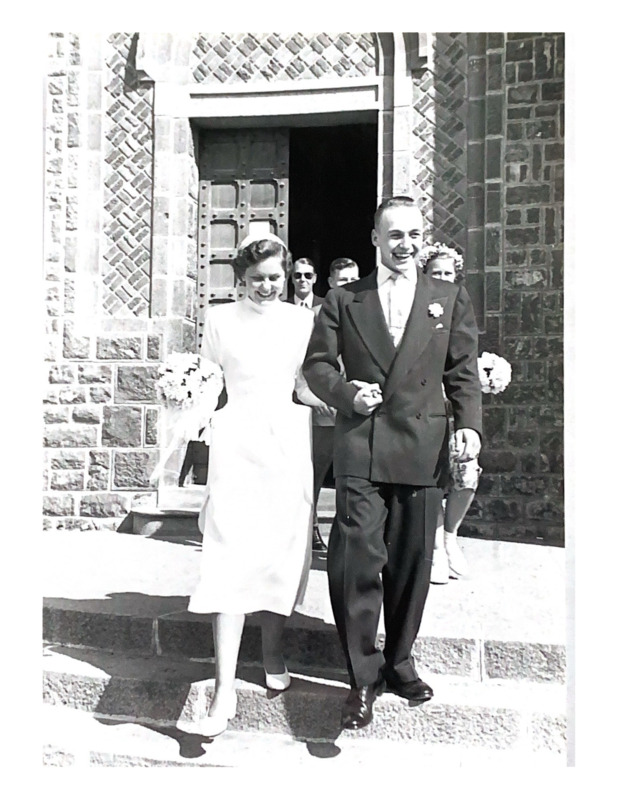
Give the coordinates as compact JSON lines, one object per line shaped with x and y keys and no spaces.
{"x":124,"y":662}
{"x":128,"y":696}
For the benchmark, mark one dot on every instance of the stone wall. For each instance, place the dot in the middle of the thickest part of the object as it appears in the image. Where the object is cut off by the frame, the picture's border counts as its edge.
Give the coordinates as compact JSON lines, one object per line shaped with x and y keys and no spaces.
{"x":105,"y":206}
{"x":120,"y":260}
{"x":521,"y":491}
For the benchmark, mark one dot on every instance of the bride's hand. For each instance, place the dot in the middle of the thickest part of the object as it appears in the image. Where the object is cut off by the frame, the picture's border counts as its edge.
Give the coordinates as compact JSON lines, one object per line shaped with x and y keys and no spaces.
{"x":328,"y":412}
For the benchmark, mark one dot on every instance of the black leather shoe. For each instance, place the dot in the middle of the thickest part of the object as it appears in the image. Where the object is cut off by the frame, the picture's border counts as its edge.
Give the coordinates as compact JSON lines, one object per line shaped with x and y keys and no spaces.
{"x":415,"y":691}
{"x":358,"y":707}
{"x":318,"y":545}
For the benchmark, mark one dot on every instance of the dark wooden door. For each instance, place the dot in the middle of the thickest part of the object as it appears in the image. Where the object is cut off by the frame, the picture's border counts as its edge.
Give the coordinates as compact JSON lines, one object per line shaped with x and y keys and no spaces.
{"x":243,"y":189}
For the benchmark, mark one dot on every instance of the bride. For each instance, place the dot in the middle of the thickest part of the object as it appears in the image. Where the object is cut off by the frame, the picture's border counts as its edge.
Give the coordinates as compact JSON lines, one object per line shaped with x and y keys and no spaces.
{"x":256,"y":520}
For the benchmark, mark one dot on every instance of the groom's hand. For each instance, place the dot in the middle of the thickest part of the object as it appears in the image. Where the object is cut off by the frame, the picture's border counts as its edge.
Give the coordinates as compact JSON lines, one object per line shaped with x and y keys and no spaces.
{"x":368,"y":397}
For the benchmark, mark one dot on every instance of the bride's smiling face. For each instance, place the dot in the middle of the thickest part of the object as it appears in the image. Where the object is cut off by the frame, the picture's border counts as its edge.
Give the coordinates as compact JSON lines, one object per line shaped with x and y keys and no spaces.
{"x":265,"y":281}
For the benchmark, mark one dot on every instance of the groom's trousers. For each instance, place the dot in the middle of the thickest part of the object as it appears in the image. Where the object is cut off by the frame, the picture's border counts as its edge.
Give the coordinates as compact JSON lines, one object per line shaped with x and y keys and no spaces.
{"x":380,"y":552}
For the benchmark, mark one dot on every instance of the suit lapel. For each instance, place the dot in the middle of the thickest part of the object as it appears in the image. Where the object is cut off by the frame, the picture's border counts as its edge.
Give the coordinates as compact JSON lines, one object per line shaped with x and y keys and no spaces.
{"x":367,"y":316}
{"x":416,"y":336}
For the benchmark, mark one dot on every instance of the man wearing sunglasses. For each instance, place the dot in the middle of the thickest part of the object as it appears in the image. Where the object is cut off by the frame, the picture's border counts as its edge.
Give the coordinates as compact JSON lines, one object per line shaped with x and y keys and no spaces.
{"x":303,"y":280}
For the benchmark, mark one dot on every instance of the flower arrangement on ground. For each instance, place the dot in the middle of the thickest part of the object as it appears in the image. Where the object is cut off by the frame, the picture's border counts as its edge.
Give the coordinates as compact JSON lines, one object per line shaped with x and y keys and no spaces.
{"x":494,"y":373}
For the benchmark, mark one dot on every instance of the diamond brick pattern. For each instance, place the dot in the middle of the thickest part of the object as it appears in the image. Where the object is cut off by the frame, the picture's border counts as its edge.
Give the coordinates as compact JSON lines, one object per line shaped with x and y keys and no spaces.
{"x":440,"y":131}
{"x":128,"y":186}
{"x":246,"y":57}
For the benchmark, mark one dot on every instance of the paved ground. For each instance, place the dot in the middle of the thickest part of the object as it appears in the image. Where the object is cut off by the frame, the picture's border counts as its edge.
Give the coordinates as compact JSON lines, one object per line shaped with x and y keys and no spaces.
{"x":514,"y":591}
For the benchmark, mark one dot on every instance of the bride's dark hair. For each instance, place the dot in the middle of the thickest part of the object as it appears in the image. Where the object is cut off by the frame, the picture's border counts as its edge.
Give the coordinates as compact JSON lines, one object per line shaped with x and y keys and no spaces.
{"x":258,"y":251}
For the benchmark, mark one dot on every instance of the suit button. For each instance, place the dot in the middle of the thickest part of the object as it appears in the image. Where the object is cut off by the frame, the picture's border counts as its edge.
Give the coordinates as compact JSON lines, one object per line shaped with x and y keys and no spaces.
{"x":419,"y":415}
{"x":423,"y":382}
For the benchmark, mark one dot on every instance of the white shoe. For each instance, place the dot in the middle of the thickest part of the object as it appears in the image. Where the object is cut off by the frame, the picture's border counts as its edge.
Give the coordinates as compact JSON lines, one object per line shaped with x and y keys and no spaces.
{"x":213,"y":724}
{"x":439,"y":566}
{"x":457,"y":564}
{"x":278,"y":683}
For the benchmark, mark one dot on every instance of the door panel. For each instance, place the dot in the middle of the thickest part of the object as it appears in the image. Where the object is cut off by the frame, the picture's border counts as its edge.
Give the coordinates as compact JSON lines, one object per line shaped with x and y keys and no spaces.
{"x":243,"y":189}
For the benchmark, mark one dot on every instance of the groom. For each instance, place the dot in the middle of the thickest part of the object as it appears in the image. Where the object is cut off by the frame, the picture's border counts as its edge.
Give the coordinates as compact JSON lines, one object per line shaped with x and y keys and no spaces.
{"x":401,"y":335}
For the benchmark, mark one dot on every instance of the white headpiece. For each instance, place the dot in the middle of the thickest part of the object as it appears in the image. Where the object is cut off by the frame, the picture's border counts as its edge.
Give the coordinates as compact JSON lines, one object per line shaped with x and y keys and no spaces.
{"x":258,"y":237}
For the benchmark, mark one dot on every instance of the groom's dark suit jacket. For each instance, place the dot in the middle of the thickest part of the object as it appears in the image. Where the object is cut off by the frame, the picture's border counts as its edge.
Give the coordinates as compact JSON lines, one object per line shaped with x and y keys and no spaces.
{"x":406,"y":439}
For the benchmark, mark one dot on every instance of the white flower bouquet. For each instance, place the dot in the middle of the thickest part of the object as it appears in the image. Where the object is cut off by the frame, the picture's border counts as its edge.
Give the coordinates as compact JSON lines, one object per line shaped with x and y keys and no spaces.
{"x":189,"y":387}
{"x":494,"y":373}
{"x":187,"y":379}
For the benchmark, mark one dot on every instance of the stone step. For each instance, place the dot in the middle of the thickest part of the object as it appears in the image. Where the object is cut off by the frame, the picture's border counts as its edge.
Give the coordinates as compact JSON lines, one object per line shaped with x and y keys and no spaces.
{"x":129,"y":593}
{"x":74,"y":738}
{"x":163,"y":627}
{"x":143,"y":699}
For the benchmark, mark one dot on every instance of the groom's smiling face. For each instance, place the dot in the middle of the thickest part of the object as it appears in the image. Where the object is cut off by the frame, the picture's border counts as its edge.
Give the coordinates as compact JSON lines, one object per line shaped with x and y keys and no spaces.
{"x":399,"y":237}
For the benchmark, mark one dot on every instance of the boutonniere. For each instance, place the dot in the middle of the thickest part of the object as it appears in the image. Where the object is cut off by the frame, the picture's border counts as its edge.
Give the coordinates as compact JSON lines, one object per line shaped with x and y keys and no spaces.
{"x":435,"y":310}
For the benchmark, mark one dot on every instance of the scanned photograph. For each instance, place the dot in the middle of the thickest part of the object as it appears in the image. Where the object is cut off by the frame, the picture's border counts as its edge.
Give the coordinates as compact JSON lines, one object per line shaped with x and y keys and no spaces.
{"x":303,"y":427}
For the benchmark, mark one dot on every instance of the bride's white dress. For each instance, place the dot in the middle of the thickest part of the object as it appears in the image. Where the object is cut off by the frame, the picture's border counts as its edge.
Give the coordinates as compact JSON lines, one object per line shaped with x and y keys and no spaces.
{"x":257,"y":517}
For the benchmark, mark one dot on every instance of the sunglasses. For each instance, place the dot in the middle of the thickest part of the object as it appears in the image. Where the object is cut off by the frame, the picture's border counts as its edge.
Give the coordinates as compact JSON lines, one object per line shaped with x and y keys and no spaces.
{"x":306,"y":275}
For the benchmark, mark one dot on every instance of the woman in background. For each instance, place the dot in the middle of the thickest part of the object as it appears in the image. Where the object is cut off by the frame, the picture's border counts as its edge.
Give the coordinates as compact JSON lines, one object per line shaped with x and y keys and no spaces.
{"x":446,"y":264}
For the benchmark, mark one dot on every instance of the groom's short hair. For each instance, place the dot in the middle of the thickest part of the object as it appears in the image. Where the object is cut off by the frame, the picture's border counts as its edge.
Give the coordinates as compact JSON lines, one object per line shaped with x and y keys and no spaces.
{"x":392,"y":202}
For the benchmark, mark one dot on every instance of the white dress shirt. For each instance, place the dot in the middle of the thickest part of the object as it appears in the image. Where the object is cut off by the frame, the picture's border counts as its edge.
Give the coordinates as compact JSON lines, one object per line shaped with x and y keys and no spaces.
{"x":307,"y":302}
{"x":396,"y":292}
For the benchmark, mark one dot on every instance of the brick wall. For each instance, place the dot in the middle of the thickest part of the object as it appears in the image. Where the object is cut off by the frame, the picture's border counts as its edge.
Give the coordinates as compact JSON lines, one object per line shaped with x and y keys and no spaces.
{"x":521,"y":491}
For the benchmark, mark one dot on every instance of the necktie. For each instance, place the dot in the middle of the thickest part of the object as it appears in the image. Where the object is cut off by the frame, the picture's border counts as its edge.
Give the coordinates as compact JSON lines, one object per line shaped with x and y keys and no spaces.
{"x":303,"y":304}
{"x":398,"y":310}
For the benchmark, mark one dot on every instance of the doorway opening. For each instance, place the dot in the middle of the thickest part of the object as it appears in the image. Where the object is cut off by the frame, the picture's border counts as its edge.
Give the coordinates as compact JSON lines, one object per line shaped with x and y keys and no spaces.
{"x":332,"y":195}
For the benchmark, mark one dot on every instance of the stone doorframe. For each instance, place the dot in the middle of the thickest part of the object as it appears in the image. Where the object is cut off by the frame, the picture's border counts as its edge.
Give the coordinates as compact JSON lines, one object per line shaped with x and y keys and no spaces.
{"x":162,"y":60}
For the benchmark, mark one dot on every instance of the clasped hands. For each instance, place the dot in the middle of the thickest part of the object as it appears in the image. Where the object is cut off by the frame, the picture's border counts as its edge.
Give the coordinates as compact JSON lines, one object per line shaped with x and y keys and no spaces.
{"x":369,"y":397}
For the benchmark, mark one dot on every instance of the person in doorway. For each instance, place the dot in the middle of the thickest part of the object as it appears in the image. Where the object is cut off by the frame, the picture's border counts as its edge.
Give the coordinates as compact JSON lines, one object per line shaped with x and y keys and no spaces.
{"x":401,"y":335}
{"x":256,"y":519}
{"x":304,"y":277}
{"x":341,"y":272}
{"x":446,"y":264}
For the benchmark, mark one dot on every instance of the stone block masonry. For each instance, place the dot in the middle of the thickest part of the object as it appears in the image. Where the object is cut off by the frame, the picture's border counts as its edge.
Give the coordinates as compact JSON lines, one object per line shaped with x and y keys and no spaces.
{"x":483,"y":138}
{"x":103,"y":348}
{"x":100,"y":436}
